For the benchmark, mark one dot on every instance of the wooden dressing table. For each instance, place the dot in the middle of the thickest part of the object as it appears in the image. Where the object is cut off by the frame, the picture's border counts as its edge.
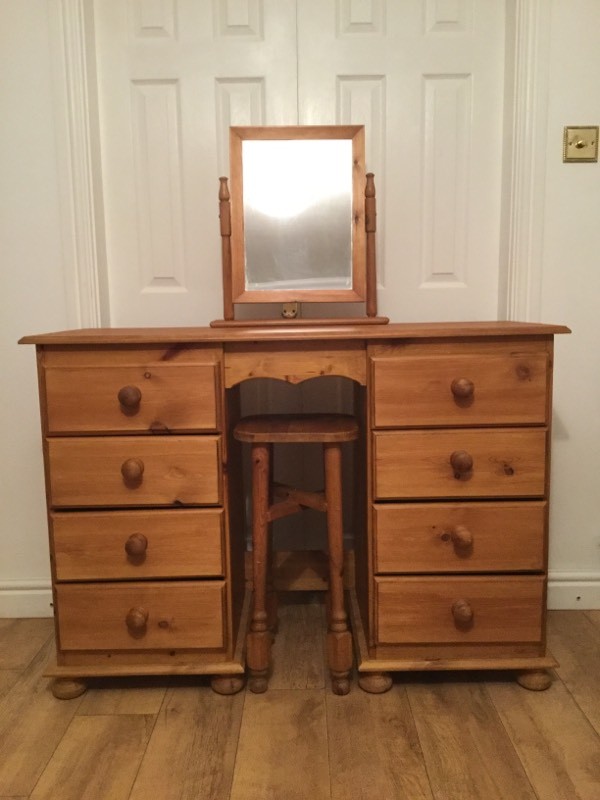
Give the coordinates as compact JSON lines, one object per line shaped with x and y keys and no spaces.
{"x":145,"y":504}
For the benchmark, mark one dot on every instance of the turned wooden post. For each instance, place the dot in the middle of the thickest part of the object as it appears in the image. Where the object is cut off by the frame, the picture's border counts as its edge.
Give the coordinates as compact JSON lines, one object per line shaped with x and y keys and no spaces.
{"x":371,"y":230}
{"x":258,"y":641}
{"x":339,"y":640}
{"x":225,"y":222}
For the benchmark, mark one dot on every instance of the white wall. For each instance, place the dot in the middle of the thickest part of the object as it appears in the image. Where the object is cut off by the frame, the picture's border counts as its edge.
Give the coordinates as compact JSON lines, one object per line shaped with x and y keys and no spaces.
{"x":32,"y":296}
{"x":571,"y":294}
{"x":33,"y":299}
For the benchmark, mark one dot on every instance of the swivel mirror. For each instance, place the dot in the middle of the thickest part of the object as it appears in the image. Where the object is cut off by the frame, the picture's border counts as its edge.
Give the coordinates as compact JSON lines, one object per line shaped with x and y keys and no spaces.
{"x":294,"y":225}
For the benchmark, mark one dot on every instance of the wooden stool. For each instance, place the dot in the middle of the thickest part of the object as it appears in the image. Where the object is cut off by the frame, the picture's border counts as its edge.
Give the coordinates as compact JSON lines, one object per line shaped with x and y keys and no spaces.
{"x":262,"y":432}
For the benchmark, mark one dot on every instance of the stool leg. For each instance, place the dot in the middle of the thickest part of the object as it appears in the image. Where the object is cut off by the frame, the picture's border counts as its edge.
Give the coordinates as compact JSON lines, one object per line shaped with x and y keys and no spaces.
{"x":258,"y":640}
{"x":339,"y":640}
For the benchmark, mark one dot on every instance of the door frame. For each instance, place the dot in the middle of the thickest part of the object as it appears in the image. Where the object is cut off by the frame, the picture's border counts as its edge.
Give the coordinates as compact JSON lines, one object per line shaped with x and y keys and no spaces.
{"x":80,"y":166}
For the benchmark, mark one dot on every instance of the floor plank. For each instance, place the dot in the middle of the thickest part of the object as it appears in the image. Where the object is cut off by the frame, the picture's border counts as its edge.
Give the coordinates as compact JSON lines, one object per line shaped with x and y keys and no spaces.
{"x":594,"y":616}
{"x":97,"y":758}
{"x":298,"y":651}
{"x":374,"y":750}
{"x":555,"y":742}
{"x":21,"y":640}
{"x":467,"y":752}
{"x":574,"y":640}
{"x":192,"y":750}
{"x":8,"y":678}
{"x":282,"y":751}
{"x":124,"y":696}
{"x":32,"y":723}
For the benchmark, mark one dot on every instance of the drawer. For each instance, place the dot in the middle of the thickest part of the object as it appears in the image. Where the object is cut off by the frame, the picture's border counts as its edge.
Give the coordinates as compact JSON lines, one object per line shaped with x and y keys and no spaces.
{"x":435,"y":463}
{"x":460,"y":537}
{"x":132,"y":398}
{"x":136,"y":545}
{"x":459,"y":609}
{"x":507,"y":388}
{"x":175,"y":470}
{"x":136,"y":616}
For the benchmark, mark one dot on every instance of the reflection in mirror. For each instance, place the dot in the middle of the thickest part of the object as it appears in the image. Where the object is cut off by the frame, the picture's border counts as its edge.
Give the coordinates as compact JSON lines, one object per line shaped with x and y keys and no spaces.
{"x":297,"y":214}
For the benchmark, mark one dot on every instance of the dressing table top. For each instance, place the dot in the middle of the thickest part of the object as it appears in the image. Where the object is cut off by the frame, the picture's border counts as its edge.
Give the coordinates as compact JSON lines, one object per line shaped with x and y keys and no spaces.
{"x":297,"y":332}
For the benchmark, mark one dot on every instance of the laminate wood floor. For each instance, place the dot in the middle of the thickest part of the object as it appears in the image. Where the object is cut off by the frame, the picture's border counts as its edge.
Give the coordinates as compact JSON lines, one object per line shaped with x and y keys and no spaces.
{"x":432,"y":737}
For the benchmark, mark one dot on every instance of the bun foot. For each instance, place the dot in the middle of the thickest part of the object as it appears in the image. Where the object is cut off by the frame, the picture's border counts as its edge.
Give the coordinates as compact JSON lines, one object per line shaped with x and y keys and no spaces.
{"x":258,"y":683}
{"x":68,"y":688}
{"x":375,"y":682}
{"x":340,"y":685}
{"x":536,"y":680}
{"x":227,"y":684}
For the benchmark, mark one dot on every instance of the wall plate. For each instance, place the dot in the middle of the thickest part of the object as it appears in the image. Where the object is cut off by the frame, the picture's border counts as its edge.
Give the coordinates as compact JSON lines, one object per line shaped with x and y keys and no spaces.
{"x":580,"y":143}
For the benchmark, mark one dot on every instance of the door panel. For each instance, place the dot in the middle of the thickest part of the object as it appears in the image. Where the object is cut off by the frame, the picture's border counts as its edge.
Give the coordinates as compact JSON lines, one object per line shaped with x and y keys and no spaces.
{"x":173,"y":77}
{"x":426,"y":78}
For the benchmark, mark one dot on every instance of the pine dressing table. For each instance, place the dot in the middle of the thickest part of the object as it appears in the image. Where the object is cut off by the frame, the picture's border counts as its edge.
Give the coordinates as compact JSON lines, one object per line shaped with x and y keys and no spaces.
{"x":143,"y":484}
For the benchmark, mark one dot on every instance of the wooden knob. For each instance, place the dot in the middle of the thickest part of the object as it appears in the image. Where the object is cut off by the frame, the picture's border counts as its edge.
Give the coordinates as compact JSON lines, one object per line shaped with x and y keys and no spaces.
{"x":461,"y":537}
{"x":462,"y":388}
{"x":462,"y":612}
{"x":461,"y":462}
{"x":129,"y":397}
{"x":136,"y":621}
{"x":132,"y":470}
{"x":136,"y":545}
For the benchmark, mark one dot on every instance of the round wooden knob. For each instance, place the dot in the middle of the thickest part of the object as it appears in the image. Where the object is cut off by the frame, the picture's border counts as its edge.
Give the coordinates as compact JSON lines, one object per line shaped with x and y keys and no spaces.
{"x":462,"y":612}
{"x":129,"y":397}
{"x":461,"y":462}
{"x":136,"y":621}
{"x":462,"y":388}
{"x":136,"y":545}
{"x":461,"y":537}
{"x":132,"y":470}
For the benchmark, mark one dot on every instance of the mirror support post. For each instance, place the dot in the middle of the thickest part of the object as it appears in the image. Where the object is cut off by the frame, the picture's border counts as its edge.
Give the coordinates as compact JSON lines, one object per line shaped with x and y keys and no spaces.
{"x":225,"y":223}
{"x":371,"y":230}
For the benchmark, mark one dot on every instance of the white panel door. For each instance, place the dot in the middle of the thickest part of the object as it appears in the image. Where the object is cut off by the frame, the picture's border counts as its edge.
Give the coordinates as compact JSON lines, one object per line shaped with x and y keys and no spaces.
{"x":173,"y":75}
{"x":426,"y":78}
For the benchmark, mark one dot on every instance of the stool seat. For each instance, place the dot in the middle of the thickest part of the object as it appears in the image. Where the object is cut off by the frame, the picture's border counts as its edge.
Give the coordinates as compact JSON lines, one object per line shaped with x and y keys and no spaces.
{"x":290,"y":428}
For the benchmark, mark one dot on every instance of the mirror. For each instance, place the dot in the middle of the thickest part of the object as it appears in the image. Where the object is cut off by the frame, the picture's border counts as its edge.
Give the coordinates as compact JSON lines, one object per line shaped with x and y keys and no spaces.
{"x":298,"y":214}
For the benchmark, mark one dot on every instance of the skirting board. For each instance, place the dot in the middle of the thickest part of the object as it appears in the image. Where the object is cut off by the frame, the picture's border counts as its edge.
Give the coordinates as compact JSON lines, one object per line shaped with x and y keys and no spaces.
{"x":566,"y":590}
{"x":25,"y":599}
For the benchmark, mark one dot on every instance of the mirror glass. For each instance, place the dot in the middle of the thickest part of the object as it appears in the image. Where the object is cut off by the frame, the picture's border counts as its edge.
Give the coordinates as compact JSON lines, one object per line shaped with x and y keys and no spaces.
{"x":298,"y":214}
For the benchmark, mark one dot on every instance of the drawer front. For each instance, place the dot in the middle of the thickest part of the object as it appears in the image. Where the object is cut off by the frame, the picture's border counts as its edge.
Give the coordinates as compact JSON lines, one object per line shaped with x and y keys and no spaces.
{"x":505,"y":462}
{"x":136,"y":545}
{"x":155,"y":397}
{"x":175,"y":470}
{"x":459,"y":609}
{"x":140,"y":616}
{"x":504,"y":389}
{"x":460,"y":537}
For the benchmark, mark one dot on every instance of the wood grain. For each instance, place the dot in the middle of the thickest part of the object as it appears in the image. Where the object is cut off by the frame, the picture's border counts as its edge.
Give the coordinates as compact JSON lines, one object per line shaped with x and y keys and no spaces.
{"x":98,"y":757}
{"x":416,"y":464}
{"x":186,"y":614}
{"x":176,"y":470}
{"x":32,"y":724}
{"x":508,"y":389}
{"x":298,"y":652}
{"x":555,"y":742}
{"x":574,"y":640}
{"x":418,"y":537}
{"x":282,"y":749}
{"x":466,"y":750}
{"x":180,"y":543}
{"x":374,"y":749}
{"x":21,"y":640}
{"x":192,"y":750}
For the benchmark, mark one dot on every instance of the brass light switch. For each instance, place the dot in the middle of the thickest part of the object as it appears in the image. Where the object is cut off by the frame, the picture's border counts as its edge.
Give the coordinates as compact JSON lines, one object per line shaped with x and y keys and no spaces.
{"x":580,"y":143}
